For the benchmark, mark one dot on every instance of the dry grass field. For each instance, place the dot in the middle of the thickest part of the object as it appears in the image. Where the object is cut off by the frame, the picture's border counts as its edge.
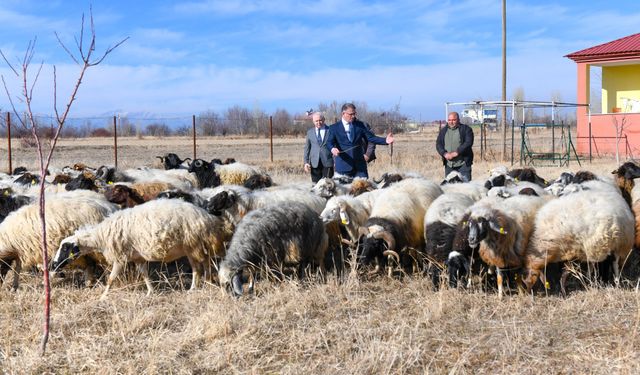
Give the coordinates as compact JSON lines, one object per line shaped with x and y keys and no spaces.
{"x":347,"y":325}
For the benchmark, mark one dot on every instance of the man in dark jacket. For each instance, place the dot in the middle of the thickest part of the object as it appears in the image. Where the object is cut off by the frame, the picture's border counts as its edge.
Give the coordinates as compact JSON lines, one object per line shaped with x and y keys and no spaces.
{"x":345,"y":141}
{"x":455,"y":145}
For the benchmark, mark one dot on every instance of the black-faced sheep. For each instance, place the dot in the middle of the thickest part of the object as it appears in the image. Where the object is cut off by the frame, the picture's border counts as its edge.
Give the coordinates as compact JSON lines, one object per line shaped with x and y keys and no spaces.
{"x":527,"y":174}
{"x":162,"y":230}
{"x":502,"y":229}
{"x":277,"y":236}
{"x":397,"y":223}
{"x":10,"y":203}
{"x":258,"y":181}
{"x":172,"y":161}
{"x":440,"y":225}
{"x":205,"y":172}
{"x":20,"y":232}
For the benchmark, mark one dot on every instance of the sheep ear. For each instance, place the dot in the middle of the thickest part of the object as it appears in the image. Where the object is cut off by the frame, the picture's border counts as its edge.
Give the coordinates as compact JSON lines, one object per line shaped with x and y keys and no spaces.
{"x":496,"y":227}
{"x":236,"y":284}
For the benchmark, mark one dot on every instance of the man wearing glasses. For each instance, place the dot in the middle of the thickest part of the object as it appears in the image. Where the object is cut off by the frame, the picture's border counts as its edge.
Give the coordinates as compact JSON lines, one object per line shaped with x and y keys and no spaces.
{"x":345,"y":141}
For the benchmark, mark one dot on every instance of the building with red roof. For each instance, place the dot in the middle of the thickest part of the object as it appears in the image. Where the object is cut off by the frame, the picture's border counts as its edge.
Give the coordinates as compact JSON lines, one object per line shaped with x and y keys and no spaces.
{"x":620,"y":64}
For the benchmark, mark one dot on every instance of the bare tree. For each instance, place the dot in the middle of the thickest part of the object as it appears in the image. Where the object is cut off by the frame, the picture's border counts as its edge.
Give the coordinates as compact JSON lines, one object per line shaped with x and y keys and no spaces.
{"x":620,"y":126}
{"x":85,"y":59}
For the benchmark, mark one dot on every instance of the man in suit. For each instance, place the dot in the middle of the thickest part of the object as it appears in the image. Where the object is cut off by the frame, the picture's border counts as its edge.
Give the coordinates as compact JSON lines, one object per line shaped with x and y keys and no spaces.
{"x":345,"y":142}
{"x":455,"y":146}
{"x":317,"y":157}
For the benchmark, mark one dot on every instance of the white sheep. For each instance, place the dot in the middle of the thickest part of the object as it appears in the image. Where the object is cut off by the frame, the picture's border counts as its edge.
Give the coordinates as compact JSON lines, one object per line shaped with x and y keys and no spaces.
{"x":473,"y":190}
{"x":349,"y":211}
{"x":586,"y":226}
{"x":162,"y":230}
{"x":235,"y":173}
{"x":397,"y":220}
{"x":20,"y":232}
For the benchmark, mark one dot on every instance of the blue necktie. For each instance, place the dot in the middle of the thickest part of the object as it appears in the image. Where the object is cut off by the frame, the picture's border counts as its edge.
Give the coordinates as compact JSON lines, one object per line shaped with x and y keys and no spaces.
{"x":319,"y":137}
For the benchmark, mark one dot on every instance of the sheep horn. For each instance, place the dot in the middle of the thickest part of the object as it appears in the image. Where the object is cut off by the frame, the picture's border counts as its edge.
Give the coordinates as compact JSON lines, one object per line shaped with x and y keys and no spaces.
{"x":236,"y":283}
{"x":388,"y":238}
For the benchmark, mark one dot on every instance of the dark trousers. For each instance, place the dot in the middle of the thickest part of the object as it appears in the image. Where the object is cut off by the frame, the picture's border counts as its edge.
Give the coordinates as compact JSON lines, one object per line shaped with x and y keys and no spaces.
{"x":464,"y":170}
{"x":321,"y":172}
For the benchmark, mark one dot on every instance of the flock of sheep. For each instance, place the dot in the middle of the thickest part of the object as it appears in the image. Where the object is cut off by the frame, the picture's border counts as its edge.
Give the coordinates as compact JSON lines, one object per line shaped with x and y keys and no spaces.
{"x":233,"y":224}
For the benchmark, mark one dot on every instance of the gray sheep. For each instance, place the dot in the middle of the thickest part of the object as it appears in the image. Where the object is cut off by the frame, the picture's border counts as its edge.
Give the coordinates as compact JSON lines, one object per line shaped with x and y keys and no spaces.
{"x":276,"y":236}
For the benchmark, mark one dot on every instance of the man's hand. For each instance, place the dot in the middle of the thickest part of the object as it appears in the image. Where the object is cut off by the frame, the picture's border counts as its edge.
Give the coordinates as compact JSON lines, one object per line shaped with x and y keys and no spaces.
{"x":307,"y":167}
{"x":366,"y":158}
{"x":389,"y":138}
{"x":335,"y":151}
{"x":450,"y":155}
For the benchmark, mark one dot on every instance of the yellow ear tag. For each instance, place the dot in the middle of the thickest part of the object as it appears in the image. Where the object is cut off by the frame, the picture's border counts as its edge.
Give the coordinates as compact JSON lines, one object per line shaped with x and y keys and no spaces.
{"x":547,"y":285}
{"x":71,"y":255}
{"x":516,"y":179}
{"x":501,"y":230}
{"x":109,"y":182}
{"x":6,"y":192}
{"x":33,"y":182}
{"x":344,"y":218}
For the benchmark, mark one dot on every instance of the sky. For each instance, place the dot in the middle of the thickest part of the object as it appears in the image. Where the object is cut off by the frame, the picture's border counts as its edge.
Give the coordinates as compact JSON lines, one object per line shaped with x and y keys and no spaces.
{"x":189,"y":57}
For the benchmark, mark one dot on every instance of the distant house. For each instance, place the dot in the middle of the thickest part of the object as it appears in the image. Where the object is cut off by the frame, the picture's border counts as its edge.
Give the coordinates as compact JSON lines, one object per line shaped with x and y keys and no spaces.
{"x":620,"y":63}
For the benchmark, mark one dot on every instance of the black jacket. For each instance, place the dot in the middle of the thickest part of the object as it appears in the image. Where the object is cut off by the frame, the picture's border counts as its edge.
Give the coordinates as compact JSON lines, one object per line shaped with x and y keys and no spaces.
{"x":465,"y":151}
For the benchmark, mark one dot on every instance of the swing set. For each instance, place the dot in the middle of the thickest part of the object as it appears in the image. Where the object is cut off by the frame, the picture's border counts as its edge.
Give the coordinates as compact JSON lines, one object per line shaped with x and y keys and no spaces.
{"x":562,"y":148}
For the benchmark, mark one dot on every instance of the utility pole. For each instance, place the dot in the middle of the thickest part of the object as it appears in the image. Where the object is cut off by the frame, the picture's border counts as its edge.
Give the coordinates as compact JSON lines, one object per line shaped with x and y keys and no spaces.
{"x":504,"y":79}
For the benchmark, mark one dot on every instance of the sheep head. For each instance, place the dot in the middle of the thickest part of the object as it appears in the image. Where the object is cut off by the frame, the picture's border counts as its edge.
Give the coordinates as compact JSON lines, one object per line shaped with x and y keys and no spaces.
{"x":67,"y":252}
{"x":221,"y":201}
{"x":479,"y":228}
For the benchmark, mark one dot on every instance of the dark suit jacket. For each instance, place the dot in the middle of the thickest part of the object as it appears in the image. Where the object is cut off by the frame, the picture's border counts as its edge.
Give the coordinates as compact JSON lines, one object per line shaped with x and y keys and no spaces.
{"x":315,"y":152}
{"x":465,"y":151}
{"x":351,"y":157}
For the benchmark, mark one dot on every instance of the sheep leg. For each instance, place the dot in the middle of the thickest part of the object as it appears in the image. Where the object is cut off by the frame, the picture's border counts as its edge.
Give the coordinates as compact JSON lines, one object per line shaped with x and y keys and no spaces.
{"x":143,"y":269}
{"x":196,"y":272}
{"x":616,"y":270}
{"x":499,"y":279}
{"x":563,"y":280}
{"x":16,"y":275}
{"x":115,"y":271}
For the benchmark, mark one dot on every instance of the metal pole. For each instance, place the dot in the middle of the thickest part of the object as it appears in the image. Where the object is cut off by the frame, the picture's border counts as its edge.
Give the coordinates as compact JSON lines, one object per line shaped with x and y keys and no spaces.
{"x":9,"y":140}
{"x":504,"y":85}
{"x":271,"y":138}
{"x":115,"y":142}
{"x":553,"y":132}
{"x":193,"y":131}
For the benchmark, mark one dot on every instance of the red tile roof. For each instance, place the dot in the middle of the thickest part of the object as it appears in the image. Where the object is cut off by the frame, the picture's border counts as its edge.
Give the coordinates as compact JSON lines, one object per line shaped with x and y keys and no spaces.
{"x":623,"y":48}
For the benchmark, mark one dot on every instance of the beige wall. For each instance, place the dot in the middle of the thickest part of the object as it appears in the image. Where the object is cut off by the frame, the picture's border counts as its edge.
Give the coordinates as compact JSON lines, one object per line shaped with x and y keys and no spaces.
{"x":621,"y":88}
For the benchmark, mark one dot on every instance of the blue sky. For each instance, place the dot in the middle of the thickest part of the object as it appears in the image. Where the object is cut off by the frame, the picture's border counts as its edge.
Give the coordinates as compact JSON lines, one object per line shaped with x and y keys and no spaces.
{"x":187,"y":57}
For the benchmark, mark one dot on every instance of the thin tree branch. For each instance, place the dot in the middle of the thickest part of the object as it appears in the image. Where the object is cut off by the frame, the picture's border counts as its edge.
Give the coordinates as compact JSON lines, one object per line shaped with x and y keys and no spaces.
{"x":66,"y":49}
{"x":108,"y":51}
{"x":13,"y":107}
{"x":9,"y":64}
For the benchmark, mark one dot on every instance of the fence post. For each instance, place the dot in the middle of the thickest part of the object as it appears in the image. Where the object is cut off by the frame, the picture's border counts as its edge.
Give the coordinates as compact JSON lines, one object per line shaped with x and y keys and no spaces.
{"x":9,"y":140}
{"x":193,"y":130}
{"x":271,"y":137}
{"x":115,"y":142}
